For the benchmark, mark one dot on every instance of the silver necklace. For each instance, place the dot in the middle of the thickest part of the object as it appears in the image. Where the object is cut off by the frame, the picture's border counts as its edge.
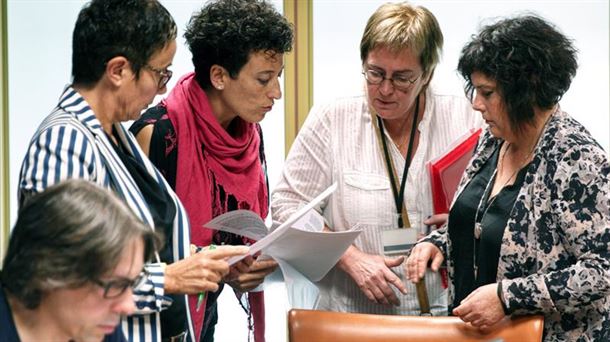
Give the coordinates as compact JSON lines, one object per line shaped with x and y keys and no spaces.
{"x":478,"y":227}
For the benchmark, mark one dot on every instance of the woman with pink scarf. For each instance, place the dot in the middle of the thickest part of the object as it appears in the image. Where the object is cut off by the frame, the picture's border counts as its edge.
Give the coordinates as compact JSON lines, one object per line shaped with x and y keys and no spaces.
{"x":206,"y":140}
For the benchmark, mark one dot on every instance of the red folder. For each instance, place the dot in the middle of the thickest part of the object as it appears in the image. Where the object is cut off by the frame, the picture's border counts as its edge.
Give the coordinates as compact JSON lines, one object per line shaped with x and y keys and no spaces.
{"x":446,"y":170}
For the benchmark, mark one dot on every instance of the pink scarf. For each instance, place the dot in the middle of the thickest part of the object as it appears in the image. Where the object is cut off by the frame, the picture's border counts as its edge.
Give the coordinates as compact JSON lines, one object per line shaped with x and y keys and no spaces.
{"x":209,"y":158}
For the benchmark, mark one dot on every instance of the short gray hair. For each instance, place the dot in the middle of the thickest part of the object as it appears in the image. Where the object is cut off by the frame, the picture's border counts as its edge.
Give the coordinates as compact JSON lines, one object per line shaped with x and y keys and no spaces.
{"x":399,"y":26}
{"x":66,"y":236}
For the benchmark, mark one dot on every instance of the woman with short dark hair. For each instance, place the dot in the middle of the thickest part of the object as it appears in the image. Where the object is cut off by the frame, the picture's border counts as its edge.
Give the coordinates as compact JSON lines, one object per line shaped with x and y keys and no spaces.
{"x":121,"y":54}
{"x":206,"y":139}
{"x":528,"y":232}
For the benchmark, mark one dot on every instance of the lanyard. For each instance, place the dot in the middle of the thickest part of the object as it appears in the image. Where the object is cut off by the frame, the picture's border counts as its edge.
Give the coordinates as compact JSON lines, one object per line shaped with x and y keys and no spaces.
{"x":399,"y":195}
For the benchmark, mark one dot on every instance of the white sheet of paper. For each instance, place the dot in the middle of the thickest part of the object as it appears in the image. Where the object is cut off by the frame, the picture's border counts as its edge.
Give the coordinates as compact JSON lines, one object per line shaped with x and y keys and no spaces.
{"x":313,"y":254}
{"x":282,"y":228}
{"x":311,"y":221}
{"x":240,"y":222}
{"x":302,"y":293}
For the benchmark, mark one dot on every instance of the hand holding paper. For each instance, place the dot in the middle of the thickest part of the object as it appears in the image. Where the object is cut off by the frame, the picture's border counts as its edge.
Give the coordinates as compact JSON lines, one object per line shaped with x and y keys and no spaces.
{"x":201,"y":271}
{"x":246,"y":223}
{"x":258,"y":270}
{"x":303,"y":251}
{"x":312,"y":253}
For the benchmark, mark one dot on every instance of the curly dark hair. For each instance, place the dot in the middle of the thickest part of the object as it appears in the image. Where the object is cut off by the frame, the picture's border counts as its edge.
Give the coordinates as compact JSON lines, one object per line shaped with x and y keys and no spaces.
{"x":134,"y":29}
{"x":532,"y":63}
{"x":226,"y":32}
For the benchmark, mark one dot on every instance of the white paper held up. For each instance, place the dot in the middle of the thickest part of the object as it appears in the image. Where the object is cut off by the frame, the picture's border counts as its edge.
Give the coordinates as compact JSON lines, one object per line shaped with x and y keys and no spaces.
{"x":240,"y":222}
{"x":282,"y":228}
{"x":313,"y":254}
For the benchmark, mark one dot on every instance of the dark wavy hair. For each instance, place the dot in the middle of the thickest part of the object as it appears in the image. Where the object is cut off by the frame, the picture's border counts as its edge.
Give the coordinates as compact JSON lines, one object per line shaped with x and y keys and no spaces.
{"x":226,"y":32}
{"x":532,"y":63}
{"x":134,"y":29}
{"x":70,"y":234}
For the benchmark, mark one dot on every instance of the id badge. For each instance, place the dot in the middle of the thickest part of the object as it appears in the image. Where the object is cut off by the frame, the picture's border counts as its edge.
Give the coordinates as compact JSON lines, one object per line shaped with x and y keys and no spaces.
{"x":398,"y":241}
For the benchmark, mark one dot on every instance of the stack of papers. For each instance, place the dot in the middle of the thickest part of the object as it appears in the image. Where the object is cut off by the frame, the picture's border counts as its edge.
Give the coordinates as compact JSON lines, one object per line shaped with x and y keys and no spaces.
{"x":300,"y":241}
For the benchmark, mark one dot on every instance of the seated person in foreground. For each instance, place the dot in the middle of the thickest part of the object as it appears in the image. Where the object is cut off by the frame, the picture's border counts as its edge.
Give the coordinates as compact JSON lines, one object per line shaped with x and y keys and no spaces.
{"x":73,"y":280}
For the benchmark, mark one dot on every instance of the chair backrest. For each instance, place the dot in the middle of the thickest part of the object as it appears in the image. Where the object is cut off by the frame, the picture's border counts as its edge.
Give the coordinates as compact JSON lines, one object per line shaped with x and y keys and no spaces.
{"x":324,"y":326}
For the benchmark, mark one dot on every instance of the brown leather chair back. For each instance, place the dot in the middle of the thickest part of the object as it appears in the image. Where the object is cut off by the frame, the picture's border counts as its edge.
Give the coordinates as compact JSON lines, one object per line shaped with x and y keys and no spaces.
{"x":324,"y":326}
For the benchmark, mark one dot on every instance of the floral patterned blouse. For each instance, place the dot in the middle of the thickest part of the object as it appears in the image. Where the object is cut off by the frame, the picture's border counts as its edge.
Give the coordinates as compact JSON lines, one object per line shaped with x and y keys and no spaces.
{"x":555,"y":252}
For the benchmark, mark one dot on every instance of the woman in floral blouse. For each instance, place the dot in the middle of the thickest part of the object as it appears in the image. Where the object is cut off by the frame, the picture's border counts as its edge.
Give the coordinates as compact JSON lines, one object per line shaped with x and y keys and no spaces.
{"x":529,"y":229}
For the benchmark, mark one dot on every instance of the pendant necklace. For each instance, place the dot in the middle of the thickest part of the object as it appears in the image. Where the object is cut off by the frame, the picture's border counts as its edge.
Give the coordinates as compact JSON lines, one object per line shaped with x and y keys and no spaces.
{"x":478,"y":227}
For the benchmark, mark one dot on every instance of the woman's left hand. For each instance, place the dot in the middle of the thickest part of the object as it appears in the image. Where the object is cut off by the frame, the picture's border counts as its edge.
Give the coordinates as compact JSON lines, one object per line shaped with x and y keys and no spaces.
{"x":482,"y":308}
{"x":255,"y":275}
{"x":240,"y":267}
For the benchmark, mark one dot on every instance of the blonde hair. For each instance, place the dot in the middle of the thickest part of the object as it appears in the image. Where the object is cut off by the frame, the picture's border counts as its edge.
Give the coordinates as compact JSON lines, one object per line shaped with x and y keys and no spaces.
{"x":398,"y":26}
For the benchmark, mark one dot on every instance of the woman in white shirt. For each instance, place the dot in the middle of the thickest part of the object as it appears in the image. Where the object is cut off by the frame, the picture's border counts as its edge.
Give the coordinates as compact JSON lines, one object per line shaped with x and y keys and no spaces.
{"x":344,"y":142}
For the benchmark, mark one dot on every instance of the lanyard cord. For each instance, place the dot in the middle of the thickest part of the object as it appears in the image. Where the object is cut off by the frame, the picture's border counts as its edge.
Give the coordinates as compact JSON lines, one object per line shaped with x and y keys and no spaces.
{"x":399,"y":195}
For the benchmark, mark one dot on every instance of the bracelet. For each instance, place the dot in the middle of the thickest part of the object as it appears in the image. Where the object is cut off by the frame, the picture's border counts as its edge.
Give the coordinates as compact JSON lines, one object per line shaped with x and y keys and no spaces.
{"x":501,"y":297}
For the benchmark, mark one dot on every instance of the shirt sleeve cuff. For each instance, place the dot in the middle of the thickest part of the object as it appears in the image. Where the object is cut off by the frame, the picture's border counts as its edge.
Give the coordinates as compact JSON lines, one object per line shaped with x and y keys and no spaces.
{"x":501,"y":297}
{"x":156,"y":278}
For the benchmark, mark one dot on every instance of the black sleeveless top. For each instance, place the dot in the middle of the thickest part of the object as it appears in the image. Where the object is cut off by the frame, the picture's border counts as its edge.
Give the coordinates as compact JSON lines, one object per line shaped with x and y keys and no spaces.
{"x":493,"y":215}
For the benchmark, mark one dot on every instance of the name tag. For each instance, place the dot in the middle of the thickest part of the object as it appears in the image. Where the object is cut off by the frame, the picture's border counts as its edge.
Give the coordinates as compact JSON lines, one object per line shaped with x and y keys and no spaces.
{"x":398,"y":241}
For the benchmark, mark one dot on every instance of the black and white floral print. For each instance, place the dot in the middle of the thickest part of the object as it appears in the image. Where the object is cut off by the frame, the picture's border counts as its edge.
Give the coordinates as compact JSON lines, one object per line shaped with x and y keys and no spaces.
{"x":555,"y":254}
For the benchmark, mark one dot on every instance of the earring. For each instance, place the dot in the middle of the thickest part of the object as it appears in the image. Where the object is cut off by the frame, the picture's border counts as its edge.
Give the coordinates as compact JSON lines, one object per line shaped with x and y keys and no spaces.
{"x":220,"y":86}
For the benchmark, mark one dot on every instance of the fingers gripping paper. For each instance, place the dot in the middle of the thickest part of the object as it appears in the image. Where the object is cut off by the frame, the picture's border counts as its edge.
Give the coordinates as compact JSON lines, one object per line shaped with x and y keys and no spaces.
{"x":299,"y":242}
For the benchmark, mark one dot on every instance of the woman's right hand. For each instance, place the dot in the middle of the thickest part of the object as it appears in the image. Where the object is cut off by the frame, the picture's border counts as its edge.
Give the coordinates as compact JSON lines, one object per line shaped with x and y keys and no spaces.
{"x":201,"y":271}
{"x":417,"y":262}
{"x":373,"y":275}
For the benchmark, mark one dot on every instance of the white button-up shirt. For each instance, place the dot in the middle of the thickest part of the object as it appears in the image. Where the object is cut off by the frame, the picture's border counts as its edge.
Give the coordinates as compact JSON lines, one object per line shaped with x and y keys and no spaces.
{"x":338,"y":143}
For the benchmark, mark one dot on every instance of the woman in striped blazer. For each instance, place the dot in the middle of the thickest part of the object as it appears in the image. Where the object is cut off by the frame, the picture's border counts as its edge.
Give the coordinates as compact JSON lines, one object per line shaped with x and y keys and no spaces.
{"x":121,"y":54}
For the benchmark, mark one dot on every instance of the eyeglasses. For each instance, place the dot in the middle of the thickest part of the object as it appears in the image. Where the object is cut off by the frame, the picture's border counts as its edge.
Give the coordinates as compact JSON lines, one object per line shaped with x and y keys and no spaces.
{"x":115,"y":288}
{"x":164,"y":75}
{"x":400,"y":82}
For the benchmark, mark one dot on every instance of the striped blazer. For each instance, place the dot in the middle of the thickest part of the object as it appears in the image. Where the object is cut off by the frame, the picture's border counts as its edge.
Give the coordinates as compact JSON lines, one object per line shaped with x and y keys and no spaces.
{"x":70,"y":143}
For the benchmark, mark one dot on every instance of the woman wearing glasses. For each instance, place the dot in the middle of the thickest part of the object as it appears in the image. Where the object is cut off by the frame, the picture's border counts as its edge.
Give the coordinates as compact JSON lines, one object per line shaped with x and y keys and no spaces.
{"x":57,"y":286}
{"x":205,"y":135}
{"x":113,"y":81}
{"x":400,"y":122}
{"x":528,"y":231}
